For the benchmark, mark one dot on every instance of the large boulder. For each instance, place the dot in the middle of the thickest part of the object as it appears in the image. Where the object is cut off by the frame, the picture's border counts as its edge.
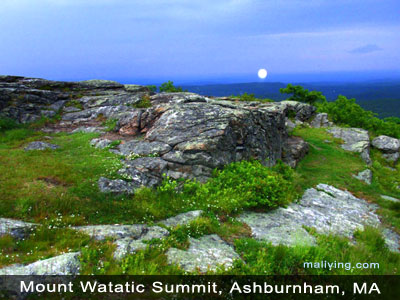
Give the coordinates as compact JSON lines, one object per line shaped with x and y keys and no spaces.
{"x":321,"y":120}
{"x":389,"y":146}
{"x":302,"y":111}
{"x":386,"y":144}
{"x":355,"y":140}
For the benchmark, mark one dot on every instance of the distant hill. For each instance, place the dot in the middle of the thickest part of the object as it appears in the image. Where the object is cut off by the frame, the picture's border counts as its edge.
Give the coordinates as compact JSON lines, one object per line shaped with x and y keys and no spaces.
{"x":382,"y":98}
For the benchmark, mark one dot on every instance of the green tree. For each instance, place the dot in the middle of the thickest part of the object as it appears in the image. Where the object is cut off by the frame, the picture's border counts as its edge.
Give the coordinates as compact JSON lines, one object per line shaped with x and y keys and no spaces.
{"x":152,"y":88}
{"x":168,"y":87}
{"x":302,"y":95}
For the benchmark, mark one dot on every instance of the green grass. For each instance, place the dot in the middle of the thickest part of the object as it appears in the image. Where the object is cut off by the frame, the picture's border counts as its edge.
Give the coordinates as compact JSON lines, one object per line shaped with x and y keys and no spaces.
{"x":58,"y":188}
{"x":263,"y":258}
{"x":328,"y":163}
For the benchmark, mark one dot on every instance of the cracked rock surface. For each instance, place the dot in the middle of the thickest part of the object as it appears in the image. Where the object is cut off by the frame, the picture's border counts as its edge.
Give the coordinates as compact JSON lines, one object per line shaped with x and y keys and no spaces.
{"x":325,"y":208}
{"x":206,"y":253}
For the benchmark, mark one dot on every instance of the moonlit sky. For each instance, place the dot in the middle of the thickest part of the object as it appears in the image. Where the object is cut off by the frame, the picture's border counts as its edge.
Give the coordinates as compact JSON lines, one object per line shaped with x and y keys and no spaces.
{"x":154,"y":40}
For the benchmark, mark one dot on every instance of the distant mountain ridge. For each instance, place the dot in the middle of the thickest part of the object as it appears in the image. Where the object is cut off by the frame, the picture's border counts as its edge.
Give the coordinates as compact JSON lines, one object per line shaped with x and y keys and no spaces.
{"x":382,"y":98}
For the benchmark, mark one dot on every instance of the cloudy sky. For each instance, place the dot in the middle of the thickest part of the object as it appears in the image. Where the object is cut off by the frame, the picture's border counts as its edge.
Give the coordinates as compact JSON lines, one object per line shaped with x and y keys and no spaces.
{"x":149,"y":41}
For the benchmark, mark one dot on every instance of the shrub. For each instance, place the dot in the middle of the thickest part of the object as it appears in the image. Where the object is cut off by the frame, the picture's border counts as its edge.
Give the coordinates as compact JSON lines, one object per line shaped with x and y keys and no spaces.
{"x":168,"y":87}
{"x":347,"y":112}
{"x":302,"y":95}
{"x":240,"y":185}
{"x":8,"y":123}
{"x":152,"y":88}
{"x":143,"y":103}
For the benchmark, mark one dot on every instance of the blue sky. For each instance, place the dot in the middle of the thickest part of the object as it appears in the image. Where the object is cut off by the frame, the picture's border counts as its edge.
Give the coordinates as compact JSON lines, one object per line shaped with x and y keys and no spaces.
{"x":198,"y":40}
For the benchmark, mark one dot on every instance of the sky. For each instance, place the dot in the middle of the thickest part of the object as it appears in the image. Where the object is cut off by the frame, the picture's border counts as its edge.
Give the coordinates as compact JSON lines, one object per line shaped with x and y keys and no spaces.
{"x":150,"y":41}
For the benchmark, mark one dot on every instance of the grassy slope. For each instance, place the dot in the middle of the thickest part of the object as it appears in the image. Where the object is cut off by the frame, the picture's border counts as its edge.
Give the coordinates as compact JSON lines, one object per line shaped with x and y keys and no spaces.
{"x":58,"y":188}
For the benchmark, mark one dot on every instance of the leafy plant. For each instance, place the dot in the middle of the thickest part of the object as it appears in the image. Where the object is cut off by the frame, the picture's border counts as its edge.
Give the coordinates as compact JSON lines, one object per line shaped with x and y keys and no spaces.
{"x":143,"y":103}
{"x":347,"y":112}
{"x":168,"y":87}
{"x":302,"y":95}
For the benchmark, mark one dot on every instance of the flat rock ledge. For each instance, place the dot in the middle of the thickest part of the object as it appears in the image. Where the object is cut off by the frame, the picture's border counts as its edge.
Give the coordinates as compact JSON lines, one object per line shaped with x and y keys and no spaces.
{"x":17,"y":229}
{"x":66,"y":264}
{"x":355,"y":140}
{"x":325,"y":208}
{"x":204,"y":254}
{"x":131,"y":238}
{"x":182,"y":219}
{"x":40,"y":146}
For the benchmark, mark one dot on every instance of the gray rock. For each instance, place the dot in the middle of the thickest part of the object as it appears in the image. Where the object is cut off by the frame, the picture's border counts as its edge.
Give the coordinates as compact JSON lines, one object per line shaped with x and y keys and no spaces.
{"x":89,"y":129}
{"x":40,"y":146}
{"x":320,"y":120}
{"x":128,"y":238}
{"x":100,"y":143}
{"x":365,"y":176}
{"x":143,"y":148}
{"x":303,"y":111}
{"x":15,"y":228}
{"x":71,"y":109}
{"x":66,"y":264}
{"x":391,"y":157}
{"x":182,"y":219}
{"x":386,"y":144}
{"x":128,"y":246}
{"x":115,"y":186}
{"x":390,"y":198}
{"x":355,"y":140}
{"x":100,"y":232}
{"x":325,"y":208}
{"x":296,"y":148}
{"x":204,"y":254}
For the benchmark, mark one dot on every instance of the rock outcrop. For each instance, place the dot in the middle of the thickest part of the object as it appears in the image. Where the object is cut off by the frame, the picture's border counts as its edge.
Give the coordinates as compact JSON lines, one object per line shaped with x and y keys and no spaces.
{"x":182,"y":135}
{"x":325,"y":208}
{"x":389,"y":146}
{"x":17,"y":229}
{"x":66,"y":264}
{"x":355,"y":140}
{"x":204,"y":254}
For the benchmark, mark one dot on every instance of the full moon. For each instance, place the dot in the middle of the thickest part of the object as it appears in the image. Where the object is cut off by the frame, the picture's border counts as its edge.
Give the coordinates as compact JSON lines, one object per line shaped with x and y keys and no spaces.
{"x":262,"y":73}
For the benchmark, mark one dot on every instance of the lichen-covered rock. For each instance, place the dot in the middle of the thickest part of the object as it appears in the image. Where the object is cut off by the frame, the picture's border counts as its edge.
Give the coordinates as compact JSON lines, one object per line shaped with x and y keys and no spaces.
{"x":325,"y":208}
{"x":127,"y":238}
{"x":386,"y":144}
{"x":66,"y":264}
{"x":89,"y":129}
{"x":116,"y":186}
{"x":204,"y":254}
{"x":321,"y":120}
{"x":100,"y":143}
{"x":296,"y":148}
{"x":365,"y":176}
{"x":100,"y":232}
{"x":40,"y":146}
{"x":303,"y":111}
{"x":355,"y":140}
{"x":182,"y":219}
{"x":143,"y":148}
{"x":15,"y":228}
{"x":27,"y":99}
